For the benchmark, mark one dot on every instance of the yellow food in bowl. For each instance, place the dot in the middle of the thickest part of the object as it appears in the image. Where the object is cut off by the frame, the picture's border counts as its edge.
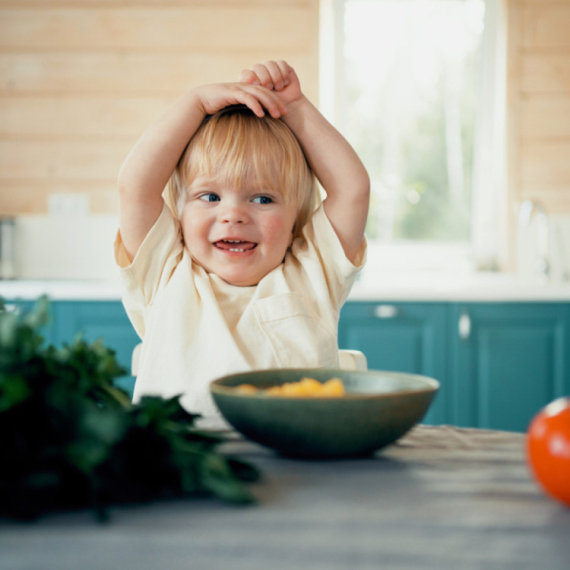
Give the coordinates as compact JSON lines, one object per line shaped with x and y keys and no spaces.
{"x":305,"y":388}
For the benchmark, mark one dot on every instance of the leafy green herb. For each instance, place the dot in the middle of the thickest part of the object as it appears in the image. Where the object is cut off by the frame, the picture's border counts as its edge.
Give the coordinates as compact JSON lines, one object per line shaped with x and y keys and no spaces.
{"x":70,"y":438}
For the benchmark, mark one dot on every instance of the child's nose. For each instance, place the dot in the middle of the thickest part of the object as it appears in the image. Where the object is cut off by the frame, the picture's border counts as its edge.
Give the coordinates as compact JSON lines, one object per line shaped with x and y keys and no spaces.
{"x":235,"y":214}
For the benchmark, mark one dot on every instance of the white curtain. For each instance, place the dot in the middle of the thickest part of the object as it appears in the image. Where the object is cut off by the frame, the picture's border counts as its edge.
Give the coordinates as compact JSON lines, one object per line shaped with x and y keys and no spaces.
{"x":489,"y":206}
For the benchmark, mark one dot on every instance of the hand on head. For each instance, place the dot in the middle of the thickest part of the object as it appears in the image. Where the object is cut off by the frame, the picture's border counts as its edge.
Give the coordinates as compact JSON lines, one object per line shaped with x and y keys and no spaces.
{"x":272,"y":86}
{"x":216,"y":96}
{"x":277,"y":76}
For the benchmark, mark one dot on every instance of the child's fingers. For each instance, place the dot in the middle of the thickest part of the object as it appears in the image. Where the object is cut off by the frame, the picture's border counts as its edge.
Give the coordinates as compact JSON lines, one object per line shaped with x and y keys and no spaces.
{"x":275,"y":72}
{"x":271,"y":75}
{"x":286,"y":70}
{"x":254,"y":105}
{"x":263,"y":75}
{"x":258,"y":98}
{"x":272,"y":103}
{"x":248,"y":76}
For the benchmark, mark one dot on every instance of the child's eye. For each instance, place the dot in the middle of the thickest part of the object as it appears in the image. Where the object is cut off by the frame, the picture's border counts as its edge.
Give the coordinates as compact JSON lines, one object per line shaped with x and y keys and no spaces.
{"x":210,"y":197}
{"x":262,"y":200}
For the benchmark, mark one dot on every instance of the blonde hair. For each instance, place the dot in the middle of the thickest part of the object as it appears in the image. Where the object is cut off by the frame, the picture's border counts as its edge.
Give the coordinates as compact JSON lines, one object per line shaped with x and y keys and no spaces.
{"x":237,"y":146}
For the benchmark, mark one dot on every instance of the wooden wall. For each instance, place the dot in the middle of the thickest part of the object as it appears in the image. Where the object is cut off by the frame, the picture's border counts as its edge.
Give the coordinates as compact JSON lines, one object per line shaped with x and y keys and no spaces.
{"x":539,"y":102}
{"x":80,"y":80}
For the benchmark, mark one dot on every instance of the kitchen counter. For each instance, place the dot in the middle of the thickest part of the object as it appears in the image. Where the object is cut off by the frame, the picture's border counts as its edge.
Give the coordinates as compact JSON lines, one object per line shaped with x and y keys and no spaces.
{"x":440,"y":498}
{"x":484,"y":287}
{"x":392,"y":286}
{"x":64,"y":290}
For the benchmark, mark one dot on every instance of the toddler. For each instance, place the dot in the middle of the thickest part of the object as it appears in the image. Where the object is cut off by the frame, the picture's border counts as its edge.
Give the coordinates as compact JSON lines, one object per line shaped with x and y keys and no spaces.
{"x":229,"y":259}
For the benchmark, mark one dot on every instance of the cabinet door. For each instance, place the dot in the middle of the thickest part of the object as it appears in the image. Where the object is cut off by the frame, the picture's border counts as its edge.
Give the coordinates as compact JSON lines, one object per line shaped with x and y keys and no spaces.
{"x":402,"y":337}
{"x":22,"y":307}
{"x":105,"y":320}
{"x":508,"y":360}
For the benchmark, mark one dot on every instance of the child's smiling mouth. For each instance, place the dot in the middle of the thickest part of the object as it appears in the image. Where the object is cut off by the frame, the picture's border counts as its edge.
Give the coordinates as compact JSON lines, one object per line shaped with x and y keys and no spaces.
{"x":235,"y":245}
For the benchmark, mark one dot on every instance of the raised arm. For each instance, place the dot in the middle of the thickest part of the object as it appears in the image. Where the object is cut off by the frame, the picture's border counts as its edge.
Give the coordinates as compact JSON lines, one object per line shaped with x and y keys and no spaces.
{"x":333,"y":160}
{"x":151,"y":162}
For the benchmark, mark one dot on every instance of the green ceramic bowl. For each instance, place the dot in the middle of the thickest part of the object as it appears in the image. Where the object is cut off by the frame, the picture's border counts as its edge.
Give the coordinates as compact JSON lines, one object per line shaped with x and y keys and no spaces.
{"x":378,"y":408}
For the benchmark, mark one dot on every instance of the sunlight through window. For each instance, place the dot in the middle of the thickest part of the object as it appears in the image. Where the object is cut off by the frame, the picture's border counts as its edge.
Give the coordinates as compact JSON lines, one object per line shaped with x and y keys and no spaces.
{"x":411,"y":77}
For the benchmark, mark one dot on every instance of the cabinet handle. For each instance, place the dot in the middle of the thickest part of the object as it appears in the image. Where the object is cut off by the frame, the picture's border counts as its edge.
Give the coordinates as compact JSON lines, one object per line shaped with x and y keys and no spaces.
{"x":386,"y":311}
{"x":464,"y":326}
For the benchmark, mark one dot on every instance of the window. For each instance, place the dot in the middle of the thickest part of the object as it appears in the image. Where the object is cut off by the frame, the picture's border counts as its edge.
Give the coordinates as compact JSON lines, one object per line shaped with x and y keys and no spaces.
{"x":413,"y":86}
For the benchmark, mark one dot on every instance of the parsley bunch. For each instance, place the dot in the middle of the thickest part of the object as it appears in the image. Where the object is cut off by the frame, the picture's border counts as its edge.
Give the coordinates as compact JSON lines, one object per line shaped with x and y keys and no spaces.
{"x":70,"y":438}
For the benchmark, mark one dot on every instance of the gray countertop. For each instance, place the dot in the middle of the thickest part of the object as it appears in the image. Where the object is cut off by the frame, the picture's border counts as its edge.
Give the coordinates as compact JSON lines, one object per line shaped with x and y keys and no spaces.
{"x":61,"y":290}
{"x":389,"y":287}
{"x":476,"y":287}
{"x":441,"y":498}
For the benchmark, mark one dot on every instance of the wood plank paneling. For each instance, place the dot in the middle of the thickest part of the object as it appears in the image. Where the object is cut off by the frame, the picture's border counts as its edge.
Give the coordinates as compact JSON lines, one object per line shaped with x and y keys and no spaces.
{"x":199,"y":28}
{"x":539,"y":102}
{"x":538,"y":113}
{"x":545,"y":162}
{"x":554,"y":198}
{"x":546,"y":26}
{"x":545,"y":73}
{"x":72,"y":118}
{"x":62,"y":160}
{"x":545,"y":173}
{"x":80,"y":80}
{"x":545,"y":118}
{"x":158,"y":4}
{"x":133,"y":74}
{"x":30,"y":196}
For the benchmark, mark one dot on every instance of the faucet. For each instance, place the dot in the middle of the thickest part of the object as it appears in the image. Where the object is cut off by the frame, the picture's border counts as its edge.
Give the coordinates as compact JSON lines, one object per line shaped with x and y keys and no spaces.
{"x":532,"y":209}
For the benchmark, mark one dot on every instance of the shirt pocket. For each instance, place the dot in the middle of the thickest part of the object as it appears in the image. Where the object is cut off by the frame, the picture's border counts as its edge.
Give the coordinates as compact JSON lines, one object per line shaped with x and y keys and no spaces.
{"x":297,"y":338}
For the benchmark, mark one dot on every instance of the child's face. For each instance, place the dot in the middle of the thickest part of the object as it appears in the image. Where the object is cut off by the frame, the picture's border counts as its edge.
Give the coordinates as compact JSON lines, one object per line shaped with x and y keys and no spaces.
{"x":238,"y":234}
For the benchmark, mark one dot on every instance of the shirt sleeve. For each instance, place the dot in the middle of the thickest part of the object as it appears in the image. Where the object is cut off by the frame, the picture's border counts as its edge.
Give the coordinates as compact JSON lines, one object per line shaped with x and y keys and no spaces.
{"x":152,"y":267}
{"x":319,"y":241}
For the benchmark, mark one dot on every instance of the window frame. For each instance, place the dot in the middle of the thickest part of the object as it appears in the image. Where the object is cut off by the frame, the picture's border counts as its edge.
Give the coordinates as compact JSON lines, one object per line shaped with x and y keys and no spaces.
{"x":488,"y":247}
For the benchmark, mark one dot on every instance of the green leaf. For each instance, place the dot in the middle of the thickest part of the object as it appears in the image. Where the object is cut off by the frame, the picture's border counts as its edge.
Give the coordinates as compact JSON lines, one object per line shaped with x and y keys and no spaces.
{"x":87,"y":454}
{"x":14,"y":389}
{"x":39,"y":316}
{"x":243,"y":470}
{"x":107,"y":425}
{"x":8,"y":330}
{"x":70,"y":437}
{"x":218,"y":478}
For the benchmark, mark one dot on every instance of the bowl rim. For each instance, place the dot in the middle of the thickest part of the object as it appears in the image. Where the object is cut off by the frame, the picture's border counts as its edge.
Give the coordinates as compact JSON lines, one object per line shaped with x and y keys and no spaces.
{"x":216,"y":386}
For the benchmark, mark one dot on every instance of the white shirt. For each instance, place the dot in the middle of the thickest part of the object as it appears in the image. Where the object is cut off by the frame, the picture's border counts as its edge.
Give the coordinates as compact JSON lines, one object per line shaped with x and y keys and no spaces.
{"x":196,"y":327}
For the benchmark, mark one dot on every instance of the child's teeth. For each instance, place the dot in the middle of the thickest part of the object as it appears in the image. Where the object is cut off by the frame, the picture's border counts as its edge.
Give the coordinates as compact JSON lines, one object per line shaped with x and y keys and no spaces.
{"x":236,"y":242}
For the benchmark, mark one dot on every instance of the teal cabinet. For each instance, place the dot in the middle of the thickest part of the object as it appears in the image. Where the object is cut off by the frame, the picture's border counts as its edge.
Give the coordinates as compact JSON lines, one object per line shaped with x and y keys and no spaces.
{"x":498,"y":363}
{"x":20,"y":307}
{"x":106,"y":320}
{"x":403,"y":337}
{"x":507,"y":361}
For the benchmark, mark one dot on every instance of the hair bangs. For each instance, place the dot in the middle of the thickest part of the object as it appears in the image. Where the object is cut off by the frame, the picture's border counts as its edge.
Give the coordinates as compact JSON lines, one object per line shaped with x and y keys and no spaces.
{"x":238,"y":148}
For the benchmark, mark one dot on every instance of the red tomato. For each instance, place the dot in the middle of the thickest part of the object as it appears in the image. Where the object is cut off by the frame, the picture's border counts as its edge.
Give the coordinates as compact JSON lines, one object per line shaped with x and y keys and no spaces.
{"x":548,"y":449}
